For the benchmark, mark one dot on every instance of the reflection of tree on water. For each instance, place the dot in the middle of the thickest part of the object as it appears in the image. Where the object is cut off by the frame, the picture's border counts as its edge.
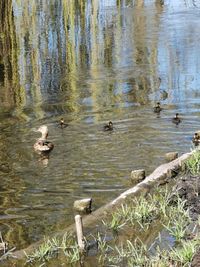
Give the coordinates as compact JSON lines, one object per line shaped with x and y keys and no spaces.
{"x":8,"y":56}
{"x":73,"y":40}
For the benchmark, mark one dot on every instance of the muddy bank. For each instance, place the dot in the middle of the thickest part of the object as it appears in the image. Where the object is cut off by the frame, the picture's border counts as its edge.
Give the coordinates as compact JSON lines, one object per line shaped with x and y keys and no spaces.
{"x":188,"y":188}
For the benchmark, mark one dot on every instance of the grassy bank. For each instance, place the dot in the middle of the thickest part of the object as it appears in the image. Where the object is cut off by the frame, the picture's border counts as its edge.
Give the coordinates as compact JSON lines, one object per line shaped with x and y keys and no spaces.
{"x":153,"y":230}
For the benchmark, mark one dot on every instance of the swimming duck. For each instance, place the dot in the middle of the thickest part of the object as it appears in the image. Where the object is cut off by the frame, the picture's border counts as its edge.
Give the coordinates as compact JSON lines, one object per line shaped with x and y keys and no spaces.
{"x":196,"y":139}
{"x":176,"y":119}
{"x":108,"y":127}
{"x":157,"y":108}
{"x":42,"y":145}
{"x":62,"y":123}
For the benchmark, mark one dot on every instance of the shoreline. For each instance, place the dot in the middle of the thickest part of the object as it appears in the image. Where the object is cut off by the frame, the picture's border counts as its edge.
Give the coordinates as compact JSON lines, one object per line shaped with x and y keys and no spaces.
{"x":159,"y":176}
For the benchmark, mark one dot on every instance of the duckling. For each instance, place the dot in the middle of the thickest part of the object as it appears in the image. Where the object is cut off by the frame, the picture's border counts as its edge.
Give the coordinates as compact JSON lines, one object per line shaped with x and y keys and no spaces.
{"x":157,"y":108}
{"x":62,"y":123}
{"x":42,"y":145}
{"x":176,"y":119}
{"x":196,"y":139}
{"x":108,"y":127}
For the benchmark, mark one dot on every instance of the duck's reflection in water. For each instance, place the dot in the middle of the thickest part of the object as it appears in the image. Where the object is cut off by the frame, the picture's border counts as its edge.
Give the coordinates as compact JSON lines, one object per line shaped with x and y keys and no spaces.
{"x":44,"y":159}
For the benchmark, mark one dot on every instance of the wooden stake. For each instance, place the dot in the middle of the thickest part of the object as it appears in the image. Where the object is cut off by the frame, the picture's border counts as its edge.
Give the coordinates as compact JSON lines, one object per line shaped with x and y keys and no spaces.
{"x":79,"y":232}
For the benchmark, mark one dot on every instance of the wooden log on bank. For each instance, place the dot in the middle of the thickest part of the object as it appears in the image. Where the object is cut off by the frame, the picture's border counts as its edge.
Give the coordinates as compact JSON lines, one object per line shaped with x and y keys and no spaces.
{"x":158,"y":176}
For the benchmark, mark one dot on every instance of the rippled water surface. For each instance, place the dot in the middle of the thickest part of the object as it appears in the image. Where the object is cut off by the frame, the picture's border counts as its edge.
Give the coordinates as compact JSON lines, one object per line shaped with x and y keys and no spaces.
{"x":89,"y":62}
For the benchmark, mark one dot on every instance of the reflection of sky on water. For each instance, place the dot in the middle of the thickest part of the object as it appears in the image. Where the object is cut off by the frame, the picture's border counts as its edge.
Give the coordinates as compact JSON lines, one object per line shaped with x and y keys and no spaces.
{"x":178,"y":56}
{"x":45,"y":42}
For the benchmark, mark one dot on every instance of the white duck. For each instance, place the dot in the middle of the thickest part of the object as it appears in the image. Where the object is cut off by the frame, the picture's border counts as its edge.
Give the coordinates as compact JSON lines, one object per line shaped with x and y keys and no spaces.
{"x":42,"y":145}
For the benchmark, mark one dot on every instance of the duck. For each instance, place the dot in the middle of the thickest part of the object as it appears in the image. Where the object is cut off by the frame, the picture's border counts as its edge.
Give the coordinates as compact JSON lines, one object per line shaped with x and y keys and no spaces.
{"x":62,"y":123}
{"x":108,"y":126}
{"x":157,"y":108}
{"x":176,"y":119}
{"x":196,"y":139}
{"x":42,"y":145}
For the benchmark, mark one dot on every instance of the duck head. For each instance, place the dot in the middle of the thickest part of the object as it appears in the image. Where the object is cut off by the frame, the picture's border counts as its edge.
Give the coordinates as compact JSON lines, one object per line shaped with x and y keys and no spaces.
{"x":176,"y":116}
{"x":44,"y":131}
{"x":158,"y":104}
{"x":110,"y":124}
{"x":157,"y":108}
{"x":196,"y":136}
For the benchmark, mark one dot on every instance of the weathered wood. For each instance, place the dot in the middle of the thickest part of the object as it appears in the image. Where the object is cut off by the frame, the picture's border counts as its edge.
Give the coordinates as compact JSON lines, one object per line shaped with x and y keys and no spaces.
{"x":160,"y":174}
{"x":83,"y":205}
{"x":79,"y":232}
{"x":171,"y":156}
{"x":137,"y":175}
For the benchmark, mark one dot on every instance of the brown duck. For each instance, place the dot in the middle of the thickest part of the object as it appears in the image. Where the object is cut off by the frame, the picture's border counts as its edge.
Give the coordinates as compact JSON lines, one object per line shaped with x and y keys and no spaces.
{"x":176,"y":119}
{"x":157,"y":108}
{"x":108,"y":126}
{"x":196,"y":139}
{"x":42,"y":145}
{"x":62,"y":123}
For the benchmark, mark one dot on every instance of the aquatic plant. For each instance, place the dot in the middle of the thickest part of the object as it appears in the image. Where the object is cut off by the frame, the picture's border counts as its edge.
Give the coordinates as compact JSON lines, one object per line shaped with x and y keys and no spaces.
{"x":115,"y":223}
{"x":44,"y":252}
{"x":51,"y":247}
{"x":193,"y":163}
{"x":102,"y":247}
{"x":179,"y":214}
{"x":137,"y":254}
{"x":102,"y":243}
{"x":140,"y":211}
{"x":144,"y":212}
{"x":184,"y":254}
{"x":131,"y":254}
{"x":161,"y":200}
{"x":159,"y":259}
{"x":177,"y":229}
{"x":178,"y":218}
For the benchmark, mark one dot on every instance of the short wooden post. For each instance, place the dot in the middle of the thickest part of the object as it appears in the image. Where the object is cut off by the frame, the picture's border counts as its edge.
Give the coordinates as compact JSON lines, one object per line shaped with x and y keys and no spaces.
{"x":137,"y":175}
{"x":171,"y":156}
{"x":79,"y":232}
{"x":83,"y":205}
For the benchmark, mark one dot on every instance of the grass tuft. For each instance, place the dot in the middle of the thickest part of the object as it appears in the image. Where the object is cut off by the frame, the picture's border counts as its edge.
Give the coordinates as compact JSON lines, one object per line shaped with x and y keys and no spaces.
{"x":193,"y":163}
{"x":51,"y":247}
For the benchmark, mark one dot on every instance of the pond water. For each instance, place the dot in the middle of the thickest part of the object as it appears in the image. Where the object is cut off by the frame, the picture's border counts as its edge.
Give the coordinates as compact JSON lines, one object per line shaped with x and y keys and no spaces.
{"x":90,"y":62}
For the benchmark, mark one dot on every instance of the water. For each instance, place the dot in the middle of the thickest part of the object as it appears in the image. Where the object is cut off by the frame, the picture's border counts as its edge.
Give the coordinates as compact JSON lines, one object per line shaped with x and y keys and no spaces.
{"x":89,"y":63}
